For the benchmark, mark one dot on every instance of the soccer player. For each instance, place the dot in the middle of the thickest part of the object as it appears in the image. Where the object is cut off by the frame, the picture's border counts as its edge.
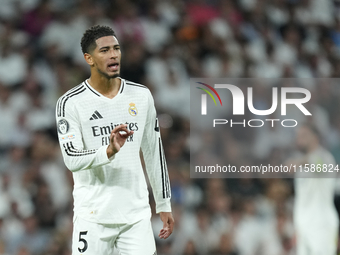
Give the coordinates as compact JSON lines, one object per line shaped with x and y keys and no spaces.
{"x":102,"y":125}
{"x":315,"y":217}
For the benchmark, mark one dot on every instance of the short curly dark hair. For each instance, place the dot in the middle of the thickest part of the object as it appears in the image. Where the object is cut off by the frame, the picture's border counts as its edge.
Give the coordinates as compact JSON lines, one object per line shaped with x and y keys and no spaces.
{"x":88,"y":41}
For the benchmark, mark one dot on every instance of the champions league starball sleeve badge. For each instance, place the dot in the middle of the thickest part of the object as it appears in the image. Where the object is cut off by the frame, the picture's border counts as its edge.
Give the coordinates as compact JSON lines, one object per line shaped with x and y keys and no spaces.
{"x":63,"y":126}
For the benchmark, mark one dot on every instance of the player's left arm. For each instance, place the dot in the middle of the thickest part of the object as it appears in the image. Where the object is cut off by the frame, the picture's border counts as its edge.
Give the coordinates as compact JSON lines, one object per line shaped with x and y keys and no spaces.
{"x":156,"y":168}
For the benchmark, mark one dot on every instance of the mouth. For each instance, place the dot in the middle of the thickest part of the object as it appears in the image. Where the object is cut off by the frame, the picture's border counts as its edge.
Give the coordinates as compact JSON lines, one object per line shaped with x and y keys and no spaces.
{"x":113,"y":67}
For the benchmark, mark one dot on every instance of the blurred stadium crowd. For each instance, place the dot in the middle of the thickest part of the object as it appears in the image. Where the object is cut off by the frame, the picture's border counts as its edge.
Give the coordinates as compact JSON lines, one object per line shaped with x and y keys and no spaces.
{"x":164,"y":43}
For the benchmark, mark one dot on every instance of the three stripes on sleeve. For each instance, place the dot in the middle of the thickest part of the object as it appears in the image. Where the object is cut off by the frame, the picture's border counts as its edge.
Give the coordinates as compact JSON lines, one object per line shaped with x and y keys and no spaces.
{"x":165,"y":176}
{"x":73,"y":152}
{"x":62,"y":101}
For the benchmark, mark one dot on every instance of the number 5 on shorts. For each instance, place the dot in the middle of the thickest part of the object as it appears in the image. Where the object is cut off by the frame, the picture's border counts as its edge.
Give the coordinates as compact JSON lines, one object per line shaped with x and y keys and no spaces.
{"x":82,"y":240}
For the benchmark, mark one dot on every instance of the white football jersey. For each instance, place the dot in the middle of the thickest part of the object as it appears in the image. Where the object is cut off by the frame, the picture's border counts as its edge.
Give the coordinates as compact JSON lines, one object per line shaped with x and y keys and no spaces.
{"x":314,"y":197}
{"x":112,"y":190}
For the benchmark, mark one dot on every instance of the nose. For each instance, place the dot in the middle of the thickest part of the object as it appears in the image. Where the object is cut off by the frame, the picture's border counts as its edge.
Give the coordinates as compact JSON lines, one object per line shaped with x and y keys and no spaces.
{"x":114,"y":54}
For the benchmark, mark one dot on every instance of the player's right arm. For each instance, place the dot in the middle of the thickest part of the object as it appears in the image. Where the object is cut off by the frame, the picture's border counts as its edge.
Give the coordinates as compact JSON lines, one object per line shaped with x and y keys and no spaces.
{"x":77,"y":158}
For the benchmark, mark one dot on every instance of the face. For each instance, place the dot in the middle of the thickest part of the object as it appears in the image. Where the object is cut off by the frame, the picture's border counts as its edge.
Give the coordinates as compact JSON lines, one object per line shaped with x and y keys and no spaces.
{"x":106,"y":57}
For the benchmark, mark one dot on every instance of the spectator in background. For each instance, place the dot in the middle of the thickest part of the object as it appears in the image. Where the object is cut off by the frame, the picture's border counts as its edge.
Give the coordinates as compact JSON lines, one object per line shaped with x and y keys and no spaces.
{"x":35,"y":21}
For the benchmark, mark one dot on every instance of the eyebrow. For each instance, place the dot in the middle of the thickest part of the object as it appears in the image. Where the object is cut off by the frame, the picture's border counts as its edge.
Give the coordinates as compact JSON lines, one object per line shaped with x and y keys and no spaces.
{"x":108,"y":47}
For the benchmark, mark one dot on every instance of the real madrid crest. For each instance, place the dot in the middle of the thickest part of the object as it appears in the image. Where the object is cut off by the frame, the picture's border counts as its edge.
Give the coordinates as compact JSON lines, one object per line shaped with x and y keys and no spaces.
{"x":132,"y":109}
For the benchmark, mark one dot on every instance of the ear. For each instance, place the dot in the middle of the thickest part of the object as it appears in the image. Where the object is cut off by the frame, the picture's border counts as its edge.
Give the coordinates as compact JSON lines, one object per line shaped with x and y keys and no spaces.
{"x":88,"y":59}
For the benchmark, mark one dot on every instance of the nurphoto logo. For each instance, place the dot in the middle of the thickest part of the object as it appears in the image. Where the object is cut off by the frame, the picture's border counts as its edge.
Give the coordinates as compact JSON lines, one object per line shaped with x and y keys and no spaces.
{"x":296,"y":96}
{"x":261,"y":127}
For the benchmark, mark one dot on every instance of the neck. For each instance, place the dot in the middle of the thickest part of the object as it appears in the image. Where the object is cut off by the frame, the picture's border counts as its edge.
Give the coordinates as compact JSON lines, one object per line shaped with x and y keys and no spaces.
{"x":108,"y":87}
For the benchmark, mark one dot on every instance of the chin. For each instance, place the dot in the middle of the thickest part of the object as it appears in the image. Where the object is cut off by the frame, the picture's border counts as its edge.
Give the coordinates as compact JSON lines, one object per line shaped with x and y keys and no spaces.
{"x":114,"y":76}
{"x":111,"y":76}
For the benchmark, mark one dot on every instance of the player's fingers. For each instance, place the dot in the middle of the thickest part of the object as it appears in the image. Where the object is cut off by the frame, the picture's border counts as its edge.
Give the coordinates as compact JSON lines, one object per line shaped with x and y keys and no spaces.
{"x":163,"y":234}
{"x":169,"y":231}
{"x":121,"y":127}
{"x":122,"y":131}
{"x":169,"y":224}
{"x":126,"y":134}
{"x":166,"y":234}
{"x":163,"y":231}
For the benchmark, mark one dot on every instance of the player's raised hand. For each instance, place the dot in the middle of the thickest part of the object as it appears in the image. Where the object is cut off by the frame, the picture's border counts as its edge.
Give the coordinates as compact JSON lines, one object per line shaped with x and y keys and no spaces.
{"x":168,"y":225}
{"x":117,"y":139}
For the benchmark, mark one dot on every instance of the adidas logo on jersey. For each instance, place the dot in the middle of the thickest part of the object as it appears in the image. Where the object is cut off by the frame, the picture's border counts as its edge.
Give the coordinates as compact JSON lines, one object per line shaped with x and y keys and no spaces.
{"x":96,"y":115}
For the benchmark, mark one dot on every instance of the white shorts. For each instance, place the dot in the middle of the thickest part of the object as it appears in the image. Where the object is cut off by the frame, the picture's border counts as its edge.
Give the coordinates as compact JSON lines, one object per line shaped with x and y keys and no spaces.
{"x":110,"y":239}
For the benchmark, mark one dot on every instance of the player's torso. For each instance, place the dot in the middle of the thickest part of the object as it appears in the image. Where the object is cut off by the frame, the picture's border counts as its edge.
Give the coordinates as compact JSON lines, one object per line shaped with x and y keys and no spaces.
{"x":314,"y":188}
{"x":314,"y":196}
{"x":100,"y":194}
{"x":99,"y":115}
